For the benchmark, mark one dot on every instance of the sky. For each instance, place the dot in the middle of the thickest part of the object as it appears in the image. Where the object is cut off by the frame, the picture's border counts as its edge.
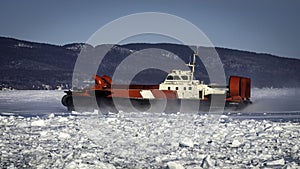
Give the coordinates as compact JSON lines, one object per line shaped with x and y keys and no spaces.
{"x":264,"y":26}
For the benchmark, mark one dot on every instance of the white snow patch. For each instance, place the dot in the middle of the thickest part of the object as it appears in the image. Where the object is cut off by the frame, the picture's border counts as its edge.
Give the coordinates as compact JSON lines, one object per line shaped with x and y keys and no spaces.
{"x":62,"y":119}
{"x":64,"y":135}
{"x":236,"y":144}
{"x":51,"y":115}
{"x":23,"y":45}
{"x":276,"y":162}
{"x":7,"y":113}
{"x":43,"y":133}
{"x":174,"y":165}
{"x":186,"y":142}
{"x":277,"y":128}
{"x":38,"y":123}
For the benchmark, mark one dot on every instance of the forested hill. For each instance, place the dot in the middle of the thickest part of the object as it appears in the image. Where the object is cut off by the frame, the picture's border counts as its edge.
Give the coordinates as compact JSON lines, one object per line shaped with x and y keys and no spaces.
{"x":29,"y":65}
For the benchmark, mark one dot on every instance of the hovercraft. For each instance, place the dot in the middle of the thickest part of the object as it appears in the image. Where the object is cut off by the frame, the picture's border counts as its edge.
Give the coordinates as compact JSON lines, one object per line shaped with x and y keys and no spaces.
{"x":178,"y":92}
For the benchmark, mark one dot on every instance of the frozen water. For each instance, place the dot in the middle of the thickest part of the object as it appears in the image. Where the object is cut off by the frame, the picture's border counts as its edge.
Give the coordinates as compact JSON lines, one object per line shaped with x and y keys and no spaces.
{"x":186,"y":142}
{"x":37,"y":132}
{"x":236,"y":143}
{"x":38,"y":123}
{"x":279,"y":162}
{"x":128,"y":140}
{"x":174,"y":165}
{"x":31,"y":102}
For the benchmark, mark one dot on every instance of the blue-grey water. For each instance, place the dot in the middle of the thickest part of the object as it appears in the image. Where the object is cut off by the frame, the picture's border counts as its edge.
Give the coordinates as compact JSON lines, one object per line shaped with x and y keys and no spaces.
{"x":268,"y":103}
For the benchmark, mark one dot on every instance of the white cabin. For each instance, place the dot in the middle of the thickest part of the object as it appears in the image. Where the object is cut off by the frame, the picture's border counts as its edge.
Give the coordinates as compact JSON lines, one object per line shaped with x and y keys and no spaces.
{"x":186,"y":87}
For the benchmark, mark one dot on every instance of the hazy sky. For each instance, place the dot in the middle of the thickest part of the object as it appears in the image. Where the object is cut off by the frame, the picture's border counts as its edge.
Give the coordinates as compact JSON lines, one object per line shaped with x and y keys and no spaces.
{"x":269,"y":26}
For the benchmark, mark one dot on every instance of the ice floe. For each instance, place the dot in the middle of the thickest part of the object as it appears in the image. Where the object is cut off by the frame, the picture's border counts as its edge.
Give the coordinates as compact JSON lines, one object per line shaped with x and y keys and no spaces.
{"x":146,"y":140}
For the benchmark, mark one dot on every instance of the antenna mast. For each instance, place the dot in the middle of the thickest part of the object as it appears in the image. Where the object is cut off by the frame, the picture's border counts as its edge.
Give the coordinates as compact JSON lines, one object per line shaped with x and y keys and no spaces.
{"x":193,"y":63}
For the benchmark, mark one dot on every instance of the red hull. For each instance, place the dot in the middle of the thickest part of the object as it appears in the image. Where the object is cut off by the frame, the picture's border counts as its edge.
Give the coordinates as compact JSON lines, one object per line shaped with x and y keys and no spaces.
{"x":104,"y":93}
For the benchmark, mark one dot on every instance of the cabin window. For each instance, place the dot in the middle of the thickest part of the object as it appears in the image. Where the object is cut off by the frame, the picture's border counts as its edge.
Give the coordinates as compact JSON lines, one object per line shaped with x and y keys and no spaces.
{"x":200,"y":94}
{"x":184,"y":88}
{"x":190,"y":88}
{"x":169,"y":88}
{"x":184,"y":77}
{"x":176,"y":88}
{"x":177,"y":78}
{"x":170,"y":78}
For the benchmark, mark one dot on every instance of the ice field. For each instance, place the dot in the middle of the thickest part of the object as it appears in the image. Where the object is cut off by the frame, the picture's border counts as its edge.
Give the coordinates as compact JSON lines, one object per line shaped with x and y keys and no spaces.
{"x":37,"y":132}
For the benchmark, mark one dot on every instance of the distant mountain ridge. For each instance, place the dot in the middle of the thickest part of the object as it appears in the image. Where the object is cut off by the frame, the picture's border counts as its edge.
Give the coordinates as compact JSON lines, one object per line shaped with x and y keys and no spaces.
{"x":31,"y":65}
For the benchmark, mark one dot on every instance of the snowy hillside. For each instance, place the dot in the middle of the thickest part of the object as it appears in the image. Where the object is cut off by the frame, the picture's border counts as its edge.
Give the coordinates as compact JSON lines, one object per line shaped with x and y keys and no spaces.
{"x":29,"y":65}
